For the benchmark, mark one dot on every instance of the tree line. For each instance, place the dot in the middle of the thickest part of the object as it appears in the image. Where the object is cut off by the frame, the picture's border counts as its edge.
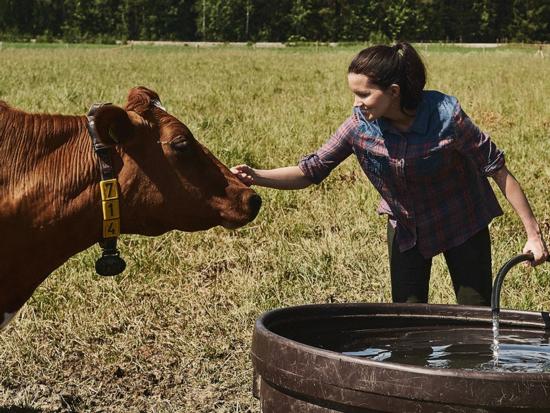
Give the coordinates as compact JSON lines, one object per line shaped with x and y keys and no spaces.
{"x":281,"y":20}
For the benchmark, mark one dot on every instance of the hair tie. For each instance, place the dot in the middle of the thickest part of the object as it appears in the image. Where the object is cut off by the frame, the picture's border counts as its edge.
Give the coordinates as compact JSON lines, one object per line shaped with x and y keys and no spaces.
{"x":399,"y":49}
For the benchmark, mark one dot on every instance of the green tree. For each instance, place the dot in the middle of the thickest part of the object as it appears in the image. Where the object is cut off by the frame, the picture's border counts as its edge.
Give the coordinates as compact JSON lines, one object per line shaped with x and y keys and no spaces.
{"x":268,"y":20}
{"x":223,"y":20}
{"x":530,"y":20}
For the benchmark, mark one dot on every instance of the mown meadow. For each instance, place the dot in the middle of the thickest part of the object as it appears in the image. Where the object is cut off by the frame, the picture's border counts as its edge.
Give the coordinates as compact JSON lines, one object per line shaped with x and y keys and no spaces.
{"x":173,"y":332}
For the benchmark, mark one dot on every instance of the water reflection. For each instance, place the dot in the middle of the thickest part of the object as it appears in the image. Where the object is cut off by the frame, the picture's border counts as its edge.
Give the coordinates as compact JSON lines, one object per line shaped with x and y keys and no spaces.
{"x":457,"y":348}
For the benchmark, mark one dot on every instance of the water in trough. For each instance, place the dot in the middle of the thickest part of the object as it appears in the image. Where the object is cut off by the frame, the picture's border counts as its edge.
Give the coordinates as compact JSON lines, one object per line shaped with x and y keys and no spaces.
{"x":454,"y":347}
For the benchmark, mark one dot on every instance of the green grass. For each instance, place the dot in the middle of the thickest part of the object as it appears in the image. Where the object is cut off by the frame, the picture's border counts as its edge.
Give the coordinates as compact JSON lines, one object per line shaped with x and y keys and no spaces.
{"x":173,"y":332}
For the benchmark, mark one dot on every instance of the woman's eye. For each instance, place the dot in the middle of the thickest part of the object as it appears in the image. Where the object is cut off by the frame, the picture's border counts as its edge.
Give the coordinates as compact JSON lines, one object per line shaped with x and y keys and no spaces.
{"x":180,"y":143}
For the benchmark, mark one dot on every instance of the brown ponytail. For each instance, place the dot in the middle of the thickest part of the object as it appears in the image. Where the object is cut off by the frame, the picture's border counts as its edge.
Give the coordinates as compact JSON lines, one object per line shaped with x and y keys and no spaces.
{"x":399,"y":64}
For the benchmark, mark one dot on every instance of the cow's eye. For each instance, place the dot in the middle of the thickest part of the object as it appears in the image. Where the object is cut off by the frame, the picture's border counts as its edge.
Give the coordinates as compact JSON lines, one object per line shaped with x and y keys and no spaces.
{"x":180,"y":143}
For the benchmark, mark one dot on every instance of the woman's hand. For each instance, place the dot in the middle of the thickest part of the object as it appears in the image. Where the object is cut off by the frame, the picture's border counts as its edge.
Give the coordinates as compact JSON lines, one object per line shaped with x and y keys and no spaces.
{"x":245,"y":173}
{"x":288,"y":177}
{"x":537,"y":247}
{"x":514,"y":194}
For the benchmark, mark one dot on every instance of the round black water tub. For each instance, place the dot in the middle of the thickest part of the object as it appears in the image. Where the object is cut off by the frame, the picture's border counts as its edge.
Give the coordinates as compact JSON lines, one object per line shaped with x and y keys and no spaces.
{"x":295,"y":369}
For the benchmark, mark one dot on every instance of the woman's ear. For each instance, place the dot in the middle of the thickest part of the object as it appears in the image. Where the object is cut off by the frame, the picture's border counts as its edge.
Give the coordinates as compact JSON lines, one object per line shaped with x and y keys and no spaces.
{"x":395,"y":90}
{"x":113,"y":125}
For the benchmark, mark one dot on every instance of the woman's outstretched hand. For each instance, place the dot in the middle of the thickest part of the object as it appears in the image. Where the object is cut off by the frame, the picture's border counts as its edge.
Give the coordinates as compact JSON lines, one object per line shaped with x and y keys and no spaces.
{"x":245,"y":173}
{"x":287,"y":177}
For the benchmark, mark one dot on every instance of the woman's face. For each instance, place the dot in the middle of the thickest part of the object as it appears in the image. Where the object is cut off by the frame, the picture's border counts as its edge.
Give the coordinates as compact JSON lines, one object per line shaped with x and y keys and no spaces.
{"x":373,"y":102}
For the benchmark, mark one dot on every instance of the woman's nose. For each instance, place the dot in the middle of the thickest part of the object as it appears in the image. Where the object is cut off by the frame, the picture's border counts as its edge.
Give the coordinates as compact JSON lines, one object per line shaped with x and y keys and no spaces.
{"x":358,"y":101}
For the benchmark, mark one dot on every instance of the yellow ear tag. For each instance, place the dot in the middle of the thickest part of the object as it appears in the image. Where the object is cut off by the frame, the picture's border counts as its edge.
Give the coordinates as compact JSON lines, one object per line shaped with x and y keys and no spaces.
{"x":110,"y":206}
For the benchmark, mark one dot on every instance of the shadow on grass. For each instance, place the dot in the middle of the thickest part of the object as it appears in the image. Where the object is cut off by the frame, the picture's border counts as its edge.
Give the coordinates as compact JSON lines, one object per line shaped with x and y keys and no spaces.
{"x":19,"y":409}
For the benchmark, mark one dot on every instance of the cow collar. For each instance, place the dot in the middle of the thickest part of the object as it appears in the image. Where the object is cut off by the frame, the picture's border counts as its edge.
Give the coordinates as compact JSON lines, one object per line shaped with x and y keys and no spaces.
{"x":110,"y":262}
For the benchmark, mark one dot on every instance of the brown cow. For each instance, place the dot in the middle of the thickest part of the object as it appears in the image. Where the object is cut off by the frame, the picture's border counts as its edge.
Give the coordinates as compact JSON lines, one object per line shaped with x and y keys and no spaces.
{"x":50,"y":201}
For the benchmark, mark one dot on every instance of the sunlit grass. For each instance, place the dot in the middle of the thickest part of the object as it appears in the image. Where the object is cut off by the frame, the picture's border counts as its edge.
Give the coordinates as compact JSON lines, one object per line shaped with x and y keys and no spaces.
{"x":173,"y":332}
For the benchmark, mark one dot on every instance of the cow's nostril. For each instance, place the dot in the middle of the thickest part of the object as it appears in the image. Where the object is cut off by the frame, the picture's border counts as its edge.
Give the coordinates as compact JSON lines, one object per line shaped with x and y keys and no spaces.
{"x":254,"y":203}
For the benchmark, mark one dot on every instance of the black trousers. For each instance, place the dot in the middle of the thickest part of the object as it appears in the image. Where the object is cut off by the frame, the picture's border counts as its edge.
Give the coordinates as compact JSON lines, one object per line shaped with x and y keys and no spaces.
{"x":469,"y":265}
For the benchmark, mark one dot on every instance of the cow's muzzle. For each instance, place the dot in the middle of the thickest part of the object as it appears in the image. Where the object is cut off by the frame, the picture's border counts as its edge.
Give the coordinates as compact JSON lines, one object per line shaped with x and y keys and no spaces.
{"x":254,"y":204}
{"x":237,"y":217}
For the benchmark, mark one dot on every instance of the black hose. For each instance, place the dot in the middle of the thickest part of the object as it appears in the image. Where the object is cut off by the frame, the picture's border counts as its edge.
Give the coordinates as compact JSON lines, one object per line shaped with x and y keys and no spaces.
{"x":495,"y":295}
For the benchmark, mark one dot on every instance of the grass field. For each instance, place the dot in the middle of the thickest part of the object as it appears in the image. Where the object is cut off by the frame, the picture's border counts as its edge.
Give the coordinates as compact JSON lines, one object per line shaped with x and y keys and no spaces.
{"x":173,"y":333}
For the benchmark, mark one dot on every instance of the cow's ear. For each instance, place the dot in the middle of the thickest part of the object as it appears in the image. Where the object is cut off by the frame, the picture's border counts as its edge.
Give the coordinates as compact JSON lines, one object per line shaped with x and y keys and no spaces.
{"x":140,"y":99}
{"x":113,"y":125}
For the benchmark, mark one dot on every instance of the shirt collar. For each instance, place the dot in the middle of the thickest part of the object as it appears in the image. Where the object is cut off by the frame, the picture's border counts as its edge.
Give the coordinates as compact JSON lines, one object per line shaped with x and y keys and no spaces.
{"x":362,"y":118}
{"x":419,"y":126}
{"x":359,"y":114}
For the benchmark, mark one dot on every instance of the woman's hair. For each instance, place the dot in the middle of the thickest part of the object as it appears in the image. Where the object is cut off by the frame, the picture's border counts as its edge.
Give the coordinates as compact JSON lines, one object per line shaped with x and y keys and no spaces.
{"x":399,"y":64}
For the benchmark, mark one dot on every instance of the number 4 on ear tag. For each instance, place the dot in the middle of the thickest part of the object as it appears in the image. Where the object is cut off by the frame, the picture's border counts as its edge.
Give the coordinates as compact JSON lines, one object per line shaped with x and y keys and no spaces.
{"x":111,"y":228}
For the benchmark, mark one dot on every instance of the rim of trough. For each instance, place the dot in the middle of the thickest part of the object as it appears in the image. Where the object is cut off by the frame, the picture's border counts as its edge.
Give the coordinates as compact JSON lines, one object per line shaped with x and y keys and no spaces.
{"x":289,"y":364}
{"x":529,"y":319}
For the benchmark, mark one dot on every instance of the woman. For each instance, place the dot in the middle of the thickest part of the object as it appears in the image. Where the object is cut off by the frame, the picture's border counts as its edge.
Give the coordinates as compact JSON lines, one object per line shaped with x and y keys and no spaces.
{"x":430,"y":164}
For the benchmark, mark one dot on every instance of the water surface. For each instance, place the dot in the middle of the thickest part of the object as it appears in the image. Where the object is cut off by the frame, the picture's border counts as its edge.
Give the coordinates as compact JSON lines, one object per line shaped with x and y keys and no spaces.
{"x":454,"y":347}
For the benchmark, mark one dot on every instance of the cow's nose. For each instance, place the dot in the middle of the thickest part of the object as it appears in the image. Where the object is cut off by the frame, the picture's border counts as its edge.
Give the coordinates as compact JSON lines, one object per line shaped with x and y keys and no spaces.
{"x":254,"y":204}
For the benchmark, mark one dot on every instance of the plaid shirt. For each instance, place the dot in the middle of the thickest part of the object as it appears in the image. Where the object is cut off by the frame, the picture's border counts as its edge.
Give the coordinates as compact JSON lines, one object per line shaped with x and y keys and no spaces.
{"x":432,"y":178}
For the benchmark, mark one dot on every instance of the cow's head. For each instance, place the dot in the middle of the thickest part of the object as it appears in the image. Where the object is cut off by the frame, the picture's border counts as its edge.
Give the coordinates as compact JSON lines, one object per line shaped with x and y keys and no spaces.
{"x":167,"y":178}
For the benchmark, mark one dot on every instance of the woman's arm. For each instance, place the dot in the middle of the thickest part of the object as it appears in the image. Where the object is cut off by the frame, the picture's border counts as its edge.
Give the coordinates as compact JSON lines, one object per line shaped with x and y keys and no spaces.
{"x":312,"y":169}
{"x":289,"y":177}
{"x":514,"y":194}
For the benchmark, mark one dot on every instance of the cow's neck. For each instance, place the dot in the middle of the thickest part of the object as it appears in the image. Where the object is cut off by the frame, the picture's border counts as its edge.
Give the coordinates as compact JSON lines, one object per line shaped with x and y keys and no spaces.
{"x":50,"y":206}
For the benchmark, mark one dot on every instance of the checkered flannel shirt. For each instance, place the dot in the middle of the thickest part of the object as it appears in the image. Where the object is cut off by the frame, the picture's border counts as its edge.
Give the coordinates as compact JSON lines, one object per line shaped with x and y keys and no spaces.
{"x":432,"y":178}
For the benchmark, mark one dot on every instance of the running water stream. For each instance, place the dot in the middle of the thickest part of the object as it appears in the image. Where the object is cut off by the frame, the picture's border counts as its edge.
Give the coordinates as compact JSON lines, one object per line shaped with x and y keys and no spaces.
{"x":495,"y":337}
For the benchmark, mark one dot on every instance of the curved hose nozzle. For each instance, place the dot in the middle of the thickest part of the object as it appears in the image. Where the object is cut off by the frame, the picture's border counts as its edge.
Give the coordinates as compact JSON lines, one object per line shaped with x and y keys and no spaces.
{"x":495,"y":295}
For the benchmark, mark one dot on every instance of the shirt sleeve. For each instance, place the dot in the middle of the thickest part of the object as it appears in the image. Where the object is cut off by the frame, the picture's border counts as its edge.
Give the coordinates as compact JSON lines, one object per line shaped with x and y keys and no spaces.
{"x":318,"y":165}
{"x":476,"y":144}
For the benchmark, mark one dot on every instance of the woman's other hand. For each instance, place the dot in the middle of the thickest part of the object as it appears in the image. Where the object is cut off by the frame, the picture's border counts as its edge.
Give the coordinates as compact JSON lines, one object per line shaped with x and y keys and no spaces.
{"x":537,"y":247}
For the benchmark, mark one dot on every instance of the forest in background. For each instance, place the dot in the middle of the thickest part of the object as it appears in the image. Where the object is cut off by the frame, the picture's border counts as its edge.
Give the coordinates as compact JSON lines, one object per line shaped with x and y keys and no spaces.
{"x":107,"y":21}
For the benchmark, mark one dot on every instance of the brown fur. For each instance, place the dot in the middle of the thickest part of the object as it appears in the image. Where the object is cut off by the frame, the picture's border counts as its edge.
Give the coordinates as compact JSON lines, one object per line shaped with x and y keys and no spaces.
{"x":50,"y":206}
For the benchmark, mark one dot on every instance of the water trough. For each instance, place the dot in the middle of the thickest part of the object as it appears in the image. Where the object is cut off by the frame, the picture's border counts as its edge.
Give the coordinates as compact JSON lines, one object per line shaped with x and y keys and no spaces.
{"x":305,"y":360}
